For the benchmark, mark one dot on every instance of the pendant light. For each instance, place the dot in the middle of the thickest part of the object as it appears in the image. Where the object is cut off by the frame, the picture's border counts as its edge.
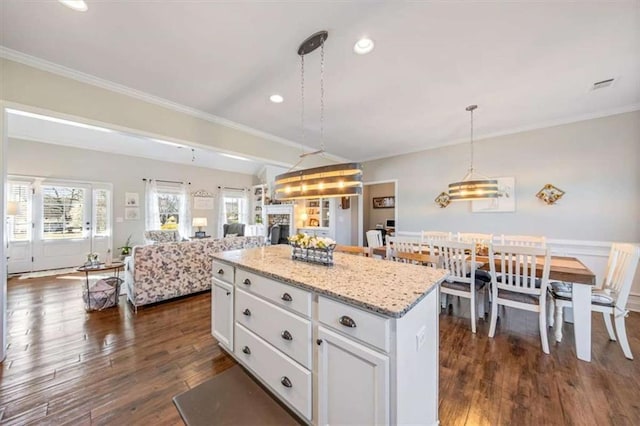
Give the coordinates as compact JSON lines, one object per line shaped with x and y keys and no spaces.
{"x":336,"y":180}
{"x":473,"y":186}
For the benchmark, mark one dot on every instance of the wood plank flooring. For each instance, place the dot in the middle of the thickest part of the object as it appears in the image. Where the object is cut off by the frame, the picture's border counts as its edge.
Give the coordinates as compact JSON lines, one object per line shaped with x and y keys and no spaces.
{"x":66,"y":366}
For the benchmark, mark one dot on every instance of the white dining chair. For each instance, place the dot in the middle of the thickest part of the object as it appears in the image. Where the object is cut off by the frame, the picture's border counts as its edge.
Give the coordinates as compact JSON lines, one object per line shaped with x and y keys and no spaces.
{"x":514,"y":283}
{"x":610,"y":298}
{"x":402,"y":244}
{"x":427,"y":238}
{"x":374,"y":239}
{"x":460,"y":260}
{"x":523,"y":240}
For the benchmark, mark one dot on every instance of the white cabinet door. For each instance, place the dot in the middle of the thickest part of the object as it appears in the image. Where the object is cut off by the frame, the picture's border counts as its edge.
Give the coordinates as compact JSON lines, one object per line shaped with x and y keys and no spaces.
{"x":222,"y":313}
{"x":353,"y":382}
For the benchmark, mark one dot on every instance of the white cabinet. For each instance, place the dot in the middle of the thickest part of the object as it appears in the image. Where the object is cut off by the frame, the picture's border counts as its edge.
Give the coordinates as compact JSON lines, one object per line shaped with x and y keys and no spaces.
{"x":260,"y":198}
{"x":318,"y":217}
{"x":353,"y":382}
{"x":222,"y":313}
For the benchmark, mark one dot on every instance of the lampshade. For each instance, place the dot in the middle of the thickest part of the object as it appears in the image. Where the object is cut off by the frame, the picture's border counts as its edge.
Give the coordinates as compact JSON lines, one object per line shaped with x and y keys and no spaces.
{"x":12,"y":208}
{"x":337,"y":180}
{"x":473,"y":186}
{"x":199,"y":221}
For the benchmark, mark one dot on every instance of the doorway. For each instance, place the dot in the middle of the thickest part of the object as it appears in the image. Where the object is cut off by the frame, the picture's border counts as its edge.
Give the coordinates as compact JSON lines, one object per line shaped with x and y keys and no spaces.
{"x":378,"y":208}
{"x":56,"y":223}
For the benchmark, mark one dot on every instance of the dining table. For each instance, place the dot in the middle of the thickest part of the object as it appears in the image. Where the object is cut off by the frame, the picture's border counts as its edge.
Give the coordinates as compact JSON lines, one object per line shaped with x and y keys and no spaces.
{"x":566,"y":269}
{"x":570,"y":270}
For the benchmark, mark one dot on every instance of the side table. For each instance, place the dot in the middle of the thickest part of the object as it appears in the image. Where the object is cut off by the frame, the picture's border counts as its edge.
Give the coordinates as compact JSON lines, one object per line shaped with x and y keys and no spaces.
{"x":114,"y":266}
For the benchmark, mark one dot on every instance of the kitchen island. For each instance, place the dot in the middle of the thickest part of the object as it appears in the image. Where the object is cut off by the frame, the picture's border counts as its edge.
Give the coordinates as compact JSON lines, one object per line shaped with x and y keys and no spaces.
{"x":356,"y":342}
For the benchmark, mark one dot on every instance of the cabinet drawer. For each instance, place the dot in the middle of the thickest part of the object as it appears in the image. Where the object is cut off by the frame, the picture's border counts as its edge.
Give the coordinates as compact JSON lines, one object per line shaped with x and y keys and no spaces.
{"x":285,"y":377}
{"x":354,"y":322}
{"x":223,"y":272}
{"x":281,"y":294}
{"x":284,"y":330}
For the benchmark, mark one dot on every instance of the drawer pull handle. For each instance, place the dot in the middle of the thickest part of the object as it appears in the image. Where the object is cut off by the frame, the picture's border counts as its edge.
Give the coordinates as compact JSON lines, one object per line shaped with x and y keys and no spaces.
{"x":286,"y":335}
{"x":228,"y":293}
{"x":221,"y":271}
{"x":286,"y":297}
{"x":247,"y":312}
{"x":286,"y":382}
{"x":246,"y":350}
{"x":347,"y":321}
{"x":246,"y":281}
{"x":319,"y":342}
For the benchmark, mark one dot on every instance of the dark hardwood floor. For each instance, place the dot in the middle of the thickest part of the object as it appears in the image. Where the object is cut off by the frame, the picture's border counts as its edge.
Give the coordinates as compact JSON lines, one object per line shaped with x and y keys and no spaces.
{"x":66,"y":366}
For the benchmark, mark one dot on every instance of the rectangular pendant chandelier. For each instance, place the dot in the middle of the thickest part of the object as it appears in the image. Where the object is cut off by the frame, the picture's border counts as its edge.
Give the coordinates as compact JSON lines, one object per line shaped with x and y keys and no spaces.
{"x":469,"y":190}
{"x":336,"y":180}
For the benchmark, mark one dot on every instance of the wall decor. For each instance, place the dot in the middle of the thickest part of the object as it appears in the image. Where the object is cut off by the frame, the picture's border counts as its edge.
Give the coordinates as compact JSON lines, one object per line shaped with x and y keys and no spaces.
{"x":506,"y":201}
{"x":443,"y":200}
{"x":202,"y":200}
{"x":550,"y":194}
{"x":384,"y":202}
{"x":132,"y":213}
{"x":345,"y":203}
{"x":132,"y":199}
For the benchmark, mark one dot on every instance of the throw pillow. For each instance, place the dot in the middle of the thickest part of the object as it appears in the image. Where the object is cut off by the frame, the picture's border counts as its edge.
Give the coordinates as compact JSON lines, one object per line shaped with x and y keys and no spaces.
{"x":231,"y":235}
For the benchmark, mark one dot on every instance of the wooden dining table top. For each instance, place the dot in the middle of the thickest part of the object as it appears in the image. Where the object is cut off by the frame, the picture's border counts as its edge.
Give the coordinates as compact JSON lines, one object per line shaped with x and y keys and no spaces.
{"x":563,"y":268}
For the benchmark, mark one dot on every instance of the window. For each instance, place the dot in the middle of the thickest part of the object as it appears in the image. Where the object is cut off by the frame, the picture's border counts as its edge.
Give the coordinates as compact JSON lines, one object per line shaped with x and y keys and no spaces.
{"x":235,"y":209}
{"x":20,"y":224}
{"x":101,"y":212}
{"x":63,"y":212}
{"x":169,"y":209}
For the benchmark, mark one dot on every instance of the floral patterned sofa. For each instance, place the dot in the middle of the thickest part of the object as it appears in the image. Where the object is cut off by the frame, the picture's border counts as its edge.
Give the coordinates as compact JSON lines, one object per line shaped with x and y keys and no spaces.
{"x":158,"y":272}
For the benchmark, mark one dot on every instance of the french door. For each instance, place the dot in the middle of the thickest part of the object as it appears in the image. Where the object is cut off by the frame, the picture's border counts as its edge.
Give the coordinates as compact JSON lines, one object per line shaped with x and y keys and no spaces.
{"x":57,"y":223}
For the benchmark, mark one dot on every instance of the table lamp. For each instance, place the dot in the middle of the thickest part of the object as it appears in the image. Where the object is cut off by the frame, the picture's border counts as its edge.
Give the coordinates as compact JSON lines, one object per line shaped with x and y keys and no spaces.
{"x":199,"y":222}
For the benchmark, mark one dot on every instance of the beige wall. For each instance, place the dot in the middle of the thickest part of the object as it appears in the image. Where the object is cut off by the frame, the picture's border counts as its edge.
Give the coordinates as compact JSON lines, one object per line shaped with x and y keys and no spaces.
{"x":124,"y":172}
{"x":33,"y":87}
{"x":597,"y":163}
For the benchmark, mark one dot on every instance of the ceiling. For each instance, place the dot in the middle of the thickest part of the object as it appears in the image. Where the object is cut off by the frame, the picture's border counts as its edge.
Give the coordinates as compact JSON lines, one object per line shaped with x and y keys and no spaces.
{"x":526,"y":64}
{"x":36,"y":127}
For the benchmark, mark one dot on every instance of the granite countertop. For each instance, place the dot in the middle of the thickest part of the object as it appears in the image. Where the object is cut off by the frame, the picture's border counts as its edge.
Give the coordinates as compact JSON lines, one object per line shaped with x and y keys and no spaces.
{"x":382,"y":286}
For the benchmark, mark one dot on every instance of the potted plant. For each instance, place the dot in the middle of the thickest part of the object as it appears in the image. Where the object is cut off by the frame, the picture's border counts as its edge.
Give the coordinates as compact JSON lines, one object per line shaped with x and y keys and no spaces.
{"x":125,"y":250}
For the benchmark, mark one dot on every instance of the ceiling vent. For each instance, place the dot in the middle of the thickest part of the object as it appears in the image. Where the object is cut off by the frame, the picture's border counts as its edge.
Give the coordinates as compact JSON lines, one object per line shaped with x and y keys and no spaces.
{"x":602,"y":84}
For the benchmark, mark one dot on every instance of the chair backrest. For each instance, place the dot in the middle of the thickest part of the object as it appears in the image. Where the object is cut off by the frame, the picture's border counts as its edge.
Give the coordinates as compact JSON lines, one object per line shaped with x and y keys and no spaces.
{"x":468,"y":237}
{"x":402,"y":244}
{"x":374,"y":238}
{"x":621,"y":268}
{"x":428,"y":238}
{"x":357,"y":250}
{"x":233,"y":228}
{"x":523,"y":240}
{"x":459,"y":258}
{"x":517,"y":266}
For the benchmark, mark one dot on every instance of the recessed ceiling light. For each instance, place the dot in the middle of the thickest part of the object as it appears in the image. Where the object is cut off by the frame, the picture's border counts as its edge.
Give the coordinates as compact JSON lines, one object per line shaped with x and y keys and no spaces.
{"x":363,"y":46}
{"x":78,"y":5}
{"x":276,"y":99}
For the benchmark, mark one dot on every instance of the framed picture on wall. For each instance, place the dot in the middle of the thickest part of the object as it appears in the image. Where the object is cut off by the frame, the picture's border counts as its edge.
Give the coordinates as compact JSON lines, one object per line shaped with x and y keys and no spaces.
{"x":132,"y":213}
{"x":384,"y":202}
{"x":131,"y":199}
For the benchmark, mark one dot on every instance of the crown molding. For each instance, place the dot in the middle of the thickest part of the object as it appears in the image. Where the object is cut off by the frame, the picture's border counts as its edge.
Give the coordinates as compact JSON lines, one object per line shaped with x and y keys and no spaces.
{"x":521,"y":129}
{"x":52,"y":67}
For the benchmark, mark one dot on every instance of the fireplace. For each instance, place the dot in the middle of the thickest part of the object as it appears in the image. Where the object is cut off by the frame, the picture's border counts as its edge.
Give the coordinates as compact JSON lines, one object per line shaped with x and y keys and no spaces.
{"x":280,"y":222}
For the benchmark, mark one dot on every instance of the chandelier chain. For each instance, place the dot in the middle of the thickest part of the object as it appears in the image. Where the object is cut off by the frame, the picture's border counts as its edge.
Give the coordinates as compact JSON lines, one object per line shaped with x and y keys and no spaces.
{"x":471,"y":145}
{"x":322,"y":95}
{"x":302,"y":98}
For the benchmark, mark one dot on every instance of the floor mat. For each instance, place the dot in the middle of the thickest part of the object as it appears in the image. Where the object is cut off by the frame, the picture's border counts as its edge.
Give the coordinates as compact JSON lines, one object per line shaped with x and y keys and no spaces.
{"x":231,"y":398}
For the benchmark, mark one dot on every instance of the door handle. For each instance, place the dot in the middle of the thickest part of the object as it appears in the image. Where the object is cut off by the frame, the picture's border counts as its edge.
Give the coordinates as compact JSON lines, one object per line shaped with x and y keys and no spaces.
{"x":246,"y":350}
{"x":286,"y":382}
{"x":246,"y":312}
{"x":220,"y":271}
{"x":347,"y":321}
{"x":286,"y":297}
{"x":246,"y":281}
{"x":286,"y":335}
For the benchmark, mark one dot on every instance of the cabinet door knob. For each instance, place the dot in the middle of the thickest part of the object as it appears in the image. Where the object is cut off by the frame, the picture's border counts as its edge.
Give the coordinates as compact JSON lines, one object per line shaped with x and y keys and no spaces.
{"x":286,"y":335}
{"x":247,"y":312}
{"x":246,"y":281}
{"x":319,"y":342}
{"x":347,"y":321}
{"x":246,"y":350}
{"x":286,"y":297}
{"x":228,"y":293}
{"x":220,"y":271}
{"x":286,"y":382}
